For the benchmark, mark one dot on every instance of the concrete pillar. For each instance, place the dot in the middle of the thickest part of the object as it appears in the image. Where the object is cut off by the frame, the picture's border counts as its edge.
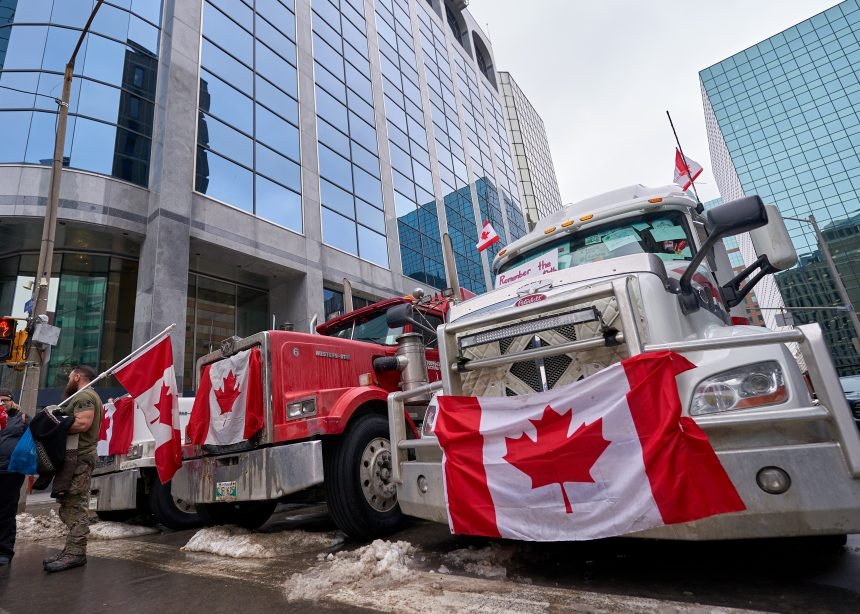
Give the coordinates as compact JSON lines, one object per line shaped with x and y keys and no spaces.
{"x":162,"y":283}
{"x":297,"y":299}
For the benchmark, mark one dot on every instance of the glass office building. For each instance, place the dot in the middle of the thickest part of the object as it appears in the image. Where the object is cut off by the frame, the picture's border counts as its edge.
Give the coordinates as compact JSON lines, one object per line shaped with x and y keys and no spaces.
{"x":783,"y":121}
{"x":535,"y":169}
{"x":230,"y":162}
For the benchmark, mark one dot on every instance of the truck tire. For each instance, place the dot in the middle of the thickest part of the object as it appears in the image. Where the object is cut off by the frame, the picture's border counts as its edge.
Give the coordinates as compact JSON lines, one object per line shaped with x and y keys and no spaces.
{"x":361,"y":497}
{"x":246,"y":514}
{"x":173,"y":514}
{"x":116,"y":515}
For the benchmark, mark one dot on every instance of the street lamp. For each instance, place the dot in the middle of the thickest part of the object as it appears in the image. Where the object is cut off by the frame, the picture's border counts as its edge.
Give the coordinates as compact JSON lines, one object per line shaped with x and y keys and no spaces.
{"x":30,"y":390}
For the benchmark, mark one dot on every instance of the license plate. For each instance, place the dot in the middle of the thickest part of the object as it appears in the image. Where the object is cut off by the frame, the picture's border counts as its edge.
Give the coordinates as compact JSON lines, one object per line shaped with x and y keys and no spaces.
{"x":94,"y":502}
{"x":225,"y":491}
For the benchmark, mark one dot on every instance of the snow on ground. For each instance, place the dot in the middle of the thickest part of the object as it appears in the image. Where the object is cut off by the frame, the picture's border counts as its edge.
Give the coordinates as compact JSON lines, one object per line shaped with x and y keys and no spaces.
{"x":241,"y":543}
{"x":41,"y":526}
{"x":379,"y":564}
{"x":119,"y":530}
{"x":487,"y":562}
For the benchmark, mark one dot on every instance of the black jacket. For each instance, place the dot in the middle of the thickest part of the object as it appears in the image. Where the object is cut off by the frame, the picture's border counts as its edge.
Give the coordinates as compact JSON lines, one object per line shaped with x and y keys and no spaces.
{"x":15,"y":427}
{"x":51,"y":431}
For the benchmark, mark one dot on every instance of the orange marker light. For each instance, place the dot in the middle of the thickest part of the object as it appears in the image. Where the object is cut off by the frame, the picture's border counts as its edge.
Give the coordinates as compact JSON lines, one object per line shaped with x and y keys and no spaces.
{"x":585,"y":218}
{"x":566,"y":223}
{"x":503,"y":252}
{"x":549,"y":230}
{"x":655,"y":200}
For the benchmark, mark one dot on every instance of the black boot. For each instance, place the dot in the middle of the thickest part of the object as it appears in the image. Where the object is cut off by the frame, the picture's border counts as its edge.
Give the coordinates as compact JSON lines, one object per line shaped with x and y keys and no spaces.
{"x":53,"y":558}
{"x":66,"y":561}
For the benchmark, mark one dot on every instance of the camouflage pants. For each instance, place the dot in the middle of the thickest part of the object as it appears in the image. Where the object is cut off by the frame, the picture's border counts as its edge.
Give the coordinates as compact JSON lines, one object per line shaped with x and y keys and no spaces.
{"x":74,"y":506}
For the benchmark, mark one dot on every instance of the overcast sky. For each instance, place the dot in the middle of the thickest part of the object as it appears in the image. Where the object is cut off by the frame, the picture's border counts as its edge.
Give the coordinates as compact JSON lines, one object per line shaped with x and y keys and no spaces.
{"x":602,"y":74}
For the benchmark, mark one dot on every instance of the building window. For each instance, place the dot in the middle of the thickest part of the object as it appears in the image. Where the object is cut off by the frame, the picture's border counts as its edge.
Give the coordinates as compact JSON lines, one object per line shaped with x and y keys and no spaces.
{"x":247,"y":134}
{"x":117,"y":62}
{"x":333,"y":301}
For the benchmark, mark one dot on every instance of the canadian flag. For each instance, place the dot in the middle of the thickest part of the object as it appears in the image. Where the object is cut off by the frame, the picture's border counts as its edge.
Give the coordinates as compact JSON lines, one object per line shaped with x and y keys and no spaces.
{"x":605,"y":456}
{"x":151,"y":381}
{"x":228,"y":407}
{"x":685,"y":176}
{"x":488,"y":237}
{"x":117,"y":427}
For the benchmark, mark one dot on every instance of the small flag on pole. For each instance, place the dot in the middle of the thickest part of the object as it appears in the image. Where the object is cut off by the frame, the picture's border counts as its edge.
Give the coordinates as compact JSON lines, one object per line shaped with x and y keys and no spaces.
{"x":685,"y":176}
{"x":488,"y":237}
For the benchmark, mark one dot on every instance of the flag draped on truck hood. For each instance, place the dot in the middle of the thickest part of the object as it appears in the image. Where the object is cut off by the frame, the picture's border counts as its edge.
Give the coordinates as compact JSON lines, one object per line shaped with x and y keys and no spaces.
{"x":605,"y":456}
{"x":228,"y":407}
{"x":151,"y":380}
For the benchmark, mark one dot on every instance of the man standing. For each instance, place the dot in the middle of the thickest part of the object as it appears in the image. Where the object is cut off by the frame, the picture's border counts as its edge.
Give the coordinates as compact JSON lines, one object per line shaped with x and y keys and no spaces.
{"x":86,"y":408}
{"x":13,"y":423}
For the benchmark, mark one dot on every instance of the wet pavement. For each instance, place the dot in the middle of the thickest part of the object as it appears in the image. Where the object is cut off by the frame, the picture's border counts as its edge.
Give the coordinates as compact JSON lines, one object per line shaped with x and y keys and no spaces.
{"x":151,"y":574}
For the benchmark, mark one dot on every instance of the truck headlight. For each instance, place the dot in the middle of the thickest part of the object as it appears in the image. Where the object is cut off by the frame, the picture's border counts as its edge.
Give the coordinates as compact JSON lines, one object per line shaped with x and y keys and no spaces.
{"x":752,"y":385}
{"x":302,"y":408}
{"x":134,"y":451}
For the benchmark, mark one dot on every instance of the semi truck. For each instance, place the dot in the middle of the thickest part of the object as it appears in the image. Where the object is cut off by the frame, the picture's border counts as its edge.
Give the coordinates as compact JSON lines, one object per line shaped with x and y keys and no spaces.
{"x":126,"y":485}
{"x":644,"y":270}
{"x":324,"y":419}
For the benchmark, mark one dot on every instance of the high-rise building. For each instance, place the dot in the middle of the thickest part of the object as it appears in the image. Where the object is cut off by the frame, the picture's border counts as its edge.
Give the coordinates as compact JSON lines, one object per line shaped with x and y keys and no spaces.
{"x":538,"y":184}
{"x":231,"y":162}
{"x":783,"y":119}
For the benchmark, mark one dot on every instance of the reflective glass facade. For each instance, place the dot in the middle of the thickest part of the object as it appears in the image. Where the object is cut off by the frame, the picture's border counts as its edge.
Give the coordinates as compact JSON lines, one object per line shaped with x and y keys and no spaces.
{"x":112,"y":99}
{"x":533,"y":159}
{"x":788,"y":113}
{"x":350,"y":187}
{"x":247,"y":135}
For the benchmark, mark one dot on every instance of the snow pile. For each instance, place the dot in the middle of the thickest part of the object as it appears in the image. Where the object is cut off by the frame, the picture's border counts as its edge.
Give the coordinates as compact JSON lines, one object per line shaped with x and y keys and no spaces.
{"x":243,"y":544}
{"x":488,"y":562}
{"x":379,"y":565}
{"x":119,"y":530}
{"x":43,"y":526}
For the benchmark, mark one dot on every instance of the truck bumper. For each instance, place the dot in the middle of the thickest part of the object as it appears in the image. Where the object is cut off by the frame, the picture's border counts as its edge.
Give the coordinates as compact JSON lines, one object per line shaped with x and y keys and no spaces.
{"x":252,"y":475}
{"x":823,"y":498}
{"x":114,"y":491}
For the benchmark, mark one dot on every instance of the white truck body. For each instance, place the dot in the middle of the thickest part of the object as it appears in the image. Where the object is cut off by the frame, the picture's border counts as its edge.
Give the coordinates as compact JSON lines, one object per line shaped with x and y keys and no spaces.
{"x":812,"y":442}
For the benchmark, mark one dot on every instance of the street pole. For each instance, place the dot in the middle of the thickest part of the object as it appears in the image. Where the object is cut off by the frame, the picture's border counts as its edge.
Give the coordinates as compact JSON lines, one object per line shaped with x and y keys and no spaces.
{"x":30,"y":391}
{"x":837,"y":281}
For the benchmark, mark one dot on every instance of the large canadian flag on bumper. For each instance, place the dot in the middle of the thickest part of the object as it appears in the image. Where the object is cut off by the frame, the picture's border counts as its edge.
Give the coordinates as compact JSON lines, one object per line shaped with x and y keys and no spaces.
{"x":606,"y":456}
{"x":117,"y":427}
{"x":151,"y":380}
{"x":228,"y":407}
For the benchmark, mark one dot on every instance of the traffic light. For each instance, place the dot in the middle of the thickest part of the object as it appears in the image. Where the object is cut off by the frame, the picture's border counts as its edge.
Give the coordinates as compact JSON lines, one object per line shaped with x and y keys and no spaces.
{"x":7,"y":338}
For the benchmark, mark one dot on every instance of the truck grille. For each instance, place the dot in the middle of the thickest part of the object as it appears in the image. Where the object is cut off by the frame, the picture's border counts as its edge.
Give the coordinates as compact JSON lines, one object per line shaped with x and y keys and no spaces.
{"x":525,"y":377}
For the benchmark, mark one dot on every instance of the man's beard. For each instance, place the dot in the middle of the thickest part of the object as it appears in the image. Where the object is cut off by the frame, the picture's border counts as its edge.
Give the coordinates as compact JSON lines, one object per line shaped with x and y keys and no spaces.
{"x":71,"y":388}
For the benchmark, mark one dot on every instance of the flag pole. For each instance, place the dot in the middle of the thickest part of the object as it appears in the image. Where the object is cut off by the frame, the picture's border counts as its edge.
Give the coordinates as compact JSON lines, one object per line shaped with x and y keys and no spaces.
{"x":122,"y":362}
{"x":686,"y":164}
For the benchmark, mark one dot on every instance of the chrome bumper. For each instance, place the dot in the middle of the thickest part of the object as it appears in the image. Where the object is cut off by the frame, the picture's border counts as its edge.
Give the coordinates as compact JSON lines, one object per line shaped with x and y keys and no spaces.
{"x":115,"y":491}
{"x":253,"y":475}
{"x":811,"y":506}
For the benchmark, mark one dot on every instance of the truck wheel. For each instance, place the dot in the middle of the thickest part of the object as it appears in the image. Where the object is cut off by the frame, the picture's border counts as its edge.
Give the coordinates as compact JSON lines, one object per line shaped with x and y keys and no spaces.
{"x":361,"y":496}
{"x":246,"y":514}
{"x":116,"y":515}
{"x":173,"y":513}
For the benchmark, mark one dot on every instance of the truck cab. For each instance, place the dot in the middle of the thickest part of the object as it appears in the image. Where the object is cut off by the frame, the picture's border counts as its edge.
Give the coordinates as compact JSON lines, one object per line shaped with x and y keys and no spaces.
{"x":324,"y":421}
{"x":641,"y":270}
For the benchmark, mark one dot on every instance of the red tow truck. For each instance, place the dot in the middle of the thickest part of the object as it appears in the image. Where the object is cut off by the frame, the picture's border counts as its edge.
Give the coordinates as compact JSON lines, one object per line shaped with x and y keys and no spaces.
{"x":325,"y":422}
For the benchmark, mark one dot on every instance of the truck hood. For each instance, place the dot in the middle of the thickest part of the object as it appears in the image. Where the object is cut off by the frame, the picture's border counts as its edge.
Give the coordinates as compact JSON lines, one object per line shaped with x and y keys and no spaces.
{"x":542,"y":286}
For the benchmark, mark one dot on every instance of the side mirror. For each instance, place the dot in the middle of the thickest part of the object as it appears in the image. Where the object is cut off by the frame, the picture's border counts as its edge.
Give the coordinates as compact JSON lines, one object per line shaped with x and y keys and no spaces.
{"x":399,"y":315}
{"x":732,"y":218}
{"x":736,"y":217}
{"x":773,"y":241}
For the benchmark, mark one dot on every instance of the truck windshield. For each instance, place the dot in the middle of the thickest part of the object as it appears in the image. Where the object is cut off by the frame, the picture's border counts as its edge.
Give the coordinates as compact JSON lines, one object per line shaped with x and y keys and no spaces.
{"x":372,"y":329}
{"x":665,"y":234}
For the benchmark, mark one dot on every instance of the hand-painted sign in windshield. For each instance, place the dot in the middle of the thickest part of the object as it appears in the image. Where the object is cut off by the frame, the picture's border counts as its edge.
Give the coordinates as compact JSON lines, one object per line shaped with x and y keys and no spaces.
{"x":543,"y":264}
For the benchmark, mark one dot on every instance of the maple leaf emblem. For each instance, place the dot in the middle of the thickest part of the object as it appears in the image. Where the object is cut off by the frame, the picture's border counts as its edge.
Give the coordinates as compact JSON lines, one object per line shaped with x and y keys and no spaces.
{"x":227,"y":394}
{"x":164,"y":406}
{"x":555,"y":458}
{"x":485,"y":235}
